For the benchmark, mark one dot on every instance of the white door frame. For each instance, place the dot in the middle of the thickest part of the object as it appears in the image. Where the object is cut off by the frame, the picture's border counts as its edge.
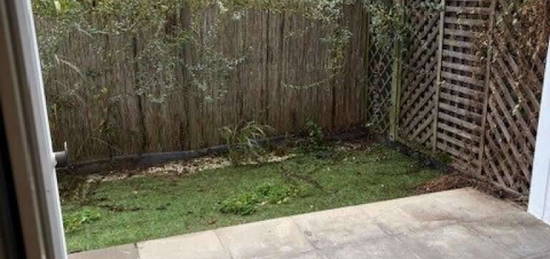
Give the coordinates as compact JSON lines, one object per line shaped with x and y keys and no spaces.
{"x":24,"y":112}
{"x":539,"y":199}
{"x":24,"y":109}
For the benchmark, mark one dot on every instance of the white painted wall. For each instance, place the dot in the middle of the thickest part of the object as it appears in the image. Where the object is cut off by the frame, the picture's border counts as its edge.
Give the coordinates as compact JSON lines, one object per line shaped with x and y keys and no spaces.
{"x":539,"y":200}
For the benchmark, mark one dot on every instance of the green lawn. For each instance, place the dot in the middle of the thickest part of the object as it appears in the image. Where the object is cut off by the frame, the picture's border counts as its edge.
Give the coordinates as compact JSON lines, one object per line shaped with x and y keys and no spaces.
{"x":144,"y":208}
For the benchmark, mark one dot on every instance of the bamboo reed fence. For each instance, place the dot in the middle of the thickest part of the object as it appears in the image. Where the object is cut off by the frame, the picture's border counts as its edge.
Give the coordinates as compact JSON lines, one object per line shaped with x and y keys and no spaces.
{"x":279,"y":50}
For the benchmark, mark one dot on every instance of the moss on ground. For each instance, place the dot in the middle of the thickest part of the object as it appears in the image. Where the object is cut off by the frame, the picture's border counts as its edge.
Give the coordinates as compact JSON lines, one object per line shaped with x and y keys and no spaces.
{"x":144,"y":208}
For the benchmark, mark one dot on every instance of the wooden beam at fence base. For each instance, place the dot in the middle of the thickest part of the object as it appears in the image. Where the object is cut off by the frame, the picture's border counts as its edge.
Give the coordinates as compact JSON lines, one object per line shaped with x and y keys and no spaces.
{"x":136,"y":161}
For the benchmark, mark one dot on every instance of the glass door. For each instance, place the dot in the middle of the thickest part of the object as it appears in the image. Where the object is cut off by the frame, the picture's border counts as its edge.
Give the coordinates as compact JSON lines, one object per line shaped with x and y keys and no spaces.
{"x":27,"y":132}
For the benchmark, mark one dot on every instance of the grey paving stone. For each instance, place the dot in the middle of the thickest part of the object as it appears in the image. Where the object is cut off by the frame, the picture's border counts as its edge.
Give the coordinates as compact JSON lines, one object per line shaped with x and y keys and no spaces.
{"x":404,"y":215}
{"x":518,"y":232}
{"x":386,"y":247}
{"x":272,"y":237}
{"x":202,"y":245}
{"x":454,"y":241}
{"x":117,"y":252}
{"x":539,"y":256}
{"x":336,"y":227}
{"x":471,"y":205}
{"x":303,"y":255}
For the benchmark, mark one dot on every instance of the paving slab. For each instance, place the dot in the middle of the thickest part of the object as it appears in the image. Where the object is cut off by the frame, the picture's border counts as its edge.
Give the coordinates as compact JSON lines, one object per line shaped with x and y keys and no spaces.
{"x":388,"y":247}
{"x":339,"y":226}
{"x":314,"y":254}
{"x":117,"y":252}
{"x":202,"y":245}
{"x":539,"y":256}
{"x":408,"y":214}
{"x":471,"y":205}
{"x":519,"y":233}
{"x":266,"y":238}
{"x":453,"y":241}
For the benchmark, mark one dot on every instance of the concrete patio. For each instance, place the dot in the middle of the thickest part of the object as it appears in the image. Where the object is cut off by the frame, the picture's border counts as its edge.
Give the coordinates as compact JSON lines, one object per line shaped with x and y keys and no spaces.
{"x":454,"y":224}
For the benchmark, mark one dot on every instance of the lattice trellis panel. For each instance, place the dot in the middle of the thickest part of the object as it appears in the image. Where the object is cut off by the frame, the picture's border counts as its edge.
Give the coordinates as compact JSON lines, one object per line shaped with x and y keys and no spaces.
{"x":417,"y":111}
{"x":379,"y":85}
{"x":462,"y":84}
{"x":480,"y":109}
{"x":516,"y":77}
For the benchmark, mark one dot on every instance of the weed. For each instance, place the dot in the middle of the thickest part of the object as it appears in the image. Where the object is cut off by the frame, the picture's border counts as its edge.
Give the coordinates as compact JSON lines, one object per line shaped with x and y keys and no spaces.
{"x":243,"y":142}
{"x":243,"y":204}
{"x":74,"y":221}
{"x":315,"y":136}
{"x":276,"y":193}
{"x":247,"y":203}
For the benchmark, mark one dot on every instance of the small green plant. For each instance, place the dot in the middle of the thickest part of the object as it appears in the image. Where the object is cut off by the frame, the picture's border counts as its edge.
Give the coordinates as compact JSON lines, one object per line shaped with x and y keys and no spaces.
{"x":315,"y":136}
{"x":247,"y":203}
{"x":276,"y":193}
{"x":243,"y":204}
{"x":75,"y":221}
{"x":243,"y":142}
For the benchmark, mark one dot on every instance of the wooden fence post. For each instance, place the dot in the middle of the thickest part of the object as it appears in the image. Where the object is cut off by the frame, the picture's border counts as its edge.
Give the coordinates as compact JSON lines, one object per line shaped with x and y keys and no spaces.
{"x":487,"y":86}
{"x":395,"y":93}
{"x":438,"y":81}
{"x":365,"y":98}
{"x":396,"y":86}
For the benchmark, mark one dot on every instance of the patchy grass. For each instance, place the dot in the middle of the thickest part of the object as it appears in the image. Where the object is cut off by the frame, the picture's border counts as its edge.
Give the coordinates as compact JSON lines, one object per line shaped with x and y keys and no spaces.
{"x":150,"y":207}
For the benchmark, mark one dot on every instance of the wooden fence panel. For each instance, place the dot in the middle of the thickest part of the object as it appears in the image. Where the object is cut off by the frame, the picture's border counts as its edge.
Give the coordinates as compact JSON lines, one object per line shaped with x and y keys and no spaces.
{"x":417,"y":107}
{"x":483,"y":85}
{"x":462,"y":85}
{"x":516,"y":78}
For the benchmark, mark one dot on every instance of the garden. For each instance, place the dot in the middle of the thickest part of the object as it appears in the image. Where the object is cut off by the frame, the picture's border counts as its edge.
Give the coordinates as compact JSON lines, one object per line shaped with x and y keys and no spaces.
{"x":122,"y":207}
{"x":187,"y":115}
